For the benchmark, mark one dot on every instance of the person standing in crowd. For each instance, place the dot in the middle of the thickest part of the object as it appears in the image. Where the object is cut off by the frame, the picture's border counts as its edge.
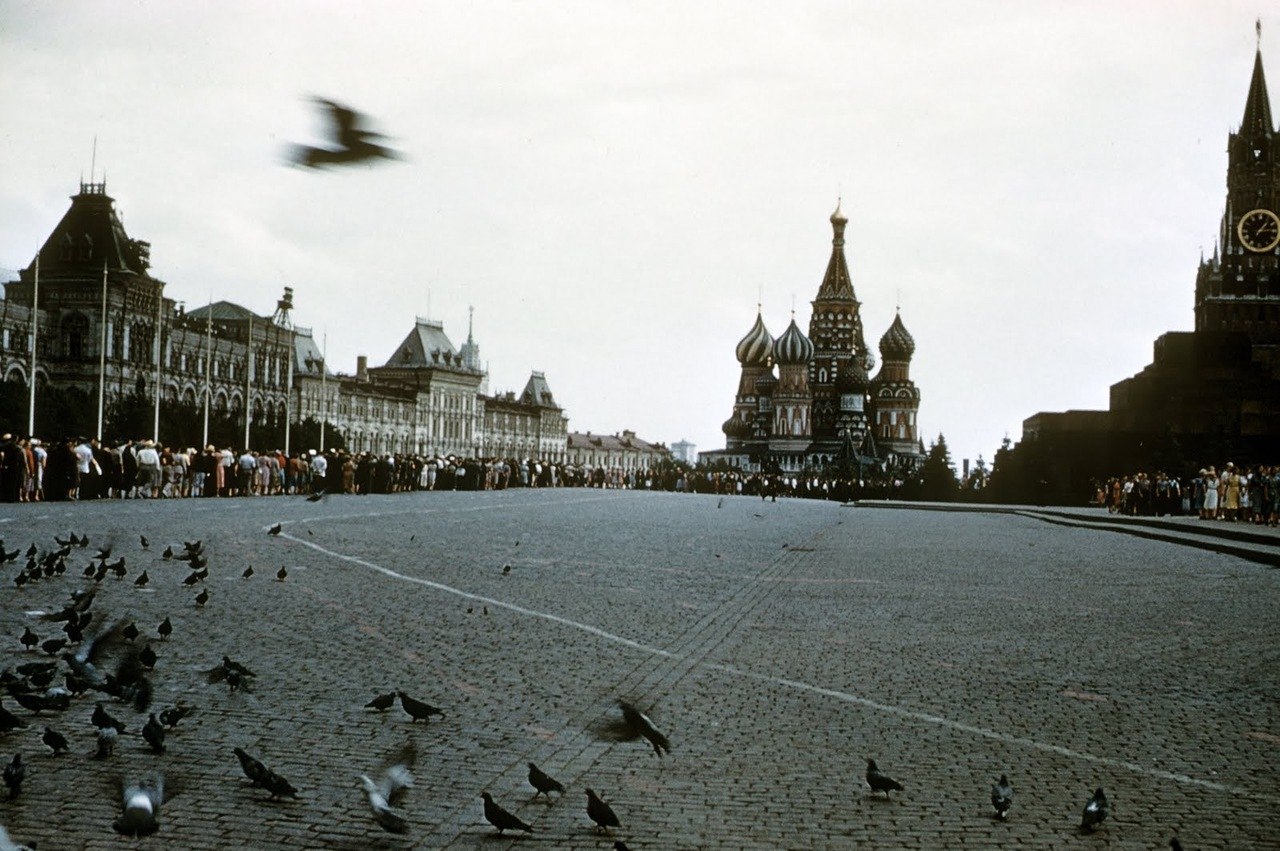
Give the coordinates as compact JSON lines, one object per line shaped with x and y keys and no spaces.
{"x":319,"y":472}
{"x":39,"y":460}
{"x":1210,"y":510}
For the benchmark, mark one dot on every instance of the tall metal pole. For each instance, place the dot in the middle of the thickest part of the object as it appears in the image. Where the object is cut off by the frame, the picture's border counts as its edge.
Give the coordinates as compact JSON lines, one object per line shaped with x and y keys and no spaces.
{"x":155,"y":423}
{"x":208,"y":364}
{"x":324,"y":394}
{"x":35,"y":329}
{"x":102,"y":353}
{"x":288,"y":391}
{"x":248,"y":371}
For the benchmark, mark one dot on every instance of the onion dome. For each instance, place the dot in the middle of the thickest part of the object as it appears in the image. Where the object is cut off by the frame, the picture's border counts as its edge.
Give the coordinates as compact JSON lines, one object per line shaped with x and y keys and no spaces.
{"x":754,"y":349}
{"x":734,"y":427}
{"x":852,"y":379}
{"x":897,"y":344}
{"x":839,"y":218}
{"x":793,"y":347}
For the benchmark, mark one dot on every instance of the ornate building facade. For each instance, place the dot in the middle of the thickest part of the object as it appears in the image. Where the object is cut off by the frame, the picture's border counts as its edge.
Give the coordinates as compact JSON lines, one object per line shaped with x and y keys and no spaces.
{"x":821,"y":406}
{"x":1211,"y":394}
{"x":104,"y":327}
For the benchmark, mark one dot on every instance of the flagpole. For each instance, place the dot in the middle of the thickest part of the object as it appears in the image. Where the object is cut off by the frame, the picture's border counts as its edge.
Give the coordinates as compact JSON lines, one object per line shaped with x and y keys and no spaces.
{"x":102,"y":353}
{"x":35,"y":330}
{"x":288,"y":392}
{"x":324,"y":394}
{"x":248,"y":370}
{"x":155,"y":424}
{"x":209,"y":361}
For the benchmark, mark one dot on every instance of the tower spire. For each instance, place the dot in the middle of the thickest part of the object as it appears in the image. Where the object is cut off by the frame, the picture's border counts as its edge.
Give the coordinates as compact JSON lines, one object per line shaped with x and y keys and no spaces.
{"x":1257,"y":106}
{"x":836,"y":282}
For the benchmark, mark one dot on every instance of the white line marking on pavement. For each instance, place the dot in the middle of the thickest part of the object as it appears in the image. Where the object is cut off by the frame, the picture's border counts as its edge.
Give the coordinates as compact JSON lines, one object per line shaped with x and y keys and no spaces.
{"x":846,"y":697}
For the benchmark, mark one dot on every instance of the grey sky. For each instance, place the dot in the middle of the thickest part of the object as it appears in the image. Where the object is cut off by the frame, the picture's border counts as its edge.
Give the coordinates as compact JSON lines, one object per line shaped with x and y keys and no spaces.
{"x":611,"y":185}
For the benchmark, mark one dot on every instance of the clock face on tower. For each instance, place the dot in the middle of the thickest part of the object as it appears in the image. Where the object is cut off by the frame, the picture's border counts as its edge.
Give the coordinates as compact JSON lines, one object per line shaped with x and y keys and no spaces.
{"x":1259,"y":230}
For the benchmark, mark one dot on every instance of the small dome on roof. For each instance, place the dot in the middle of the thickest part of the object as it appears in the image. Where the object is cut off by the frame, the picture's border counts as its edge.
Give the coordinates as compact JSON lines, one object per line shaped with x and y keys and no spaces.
{"x":793,"y":347}
{"x":897,"y":344}
{"x":754,"y":349}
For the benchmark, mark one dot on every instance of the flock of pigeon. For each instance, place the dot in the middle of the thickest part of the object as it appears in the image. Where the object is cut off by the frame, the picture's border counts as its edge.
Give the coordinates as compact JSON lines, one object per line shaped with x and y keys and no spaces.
{"x":113,"y":659}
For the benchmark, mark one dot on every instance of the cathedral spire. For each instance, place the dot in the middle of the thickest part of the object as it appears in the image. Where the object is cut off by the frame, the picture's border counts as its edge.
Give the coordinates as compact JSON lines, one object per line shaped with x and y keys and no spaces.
{"x":1257,"y":106}
{"x":836,"y":283}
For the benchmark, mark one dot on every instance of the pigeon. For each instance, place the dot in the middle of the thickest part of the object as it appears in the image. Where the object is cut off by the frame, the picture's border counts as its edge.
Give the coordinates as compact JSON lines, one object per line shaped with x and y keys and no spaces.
{"x":316,"y":497}
{"x":129,"y":681}
{"x":382,"y":702}
{"x":142,"y":539}
{"x":29,"y":639}
{"x":130,"y":632}
{"x":165,"y":629}
{"x":619,"y":845}
{"x":140,"y":806}
{"x":600,"y":812}
{"x":1095,"y":812}
{"x":153,"y":734}
{"x":506,"y":570}
{"x":281,"y":574}
{"x":195,"y":577}
{"x":202,"y":598}
{"x":38,"y":703}
{"x":275,"y":530}
{"x":171,"y":716}
{"x":10,"y":722}
{"x":147,"y":657}
{"x":102,"y":719}
{"x":237,"y":676}
{"x":55,"y":740}
{"x":14,"y":773}
{"x":142,"y":580}
{"x":53,"y":645}
{"x":633,"y":725}
{"x":500,"y":818}
{"x":104,"y":553}
{"x":384,"y":795}
{"x":1175,"y":844}
{"x":168,"y":553}
{"x":1002,"y":797}
{"x":543,"y":782}
{"x":252,"y":768}
{"x":880,"y":782}
{"x":107,"y":737}
{"x":418,"y":710}
{"x":277,"y":786}
{"x":248,"y":571}
{"x":22,"y":578}
{"x":351,"y":143}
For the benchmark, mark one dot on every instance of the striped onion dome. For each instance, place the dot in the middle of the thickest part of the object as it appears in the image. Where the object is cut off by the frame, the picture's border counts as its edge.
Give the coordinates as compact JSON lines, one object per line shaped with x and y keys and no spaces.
{"x":793,"y":347}
{"x":735,"y":427}
{"x":897,"y":344}
{"x":754,"y":349}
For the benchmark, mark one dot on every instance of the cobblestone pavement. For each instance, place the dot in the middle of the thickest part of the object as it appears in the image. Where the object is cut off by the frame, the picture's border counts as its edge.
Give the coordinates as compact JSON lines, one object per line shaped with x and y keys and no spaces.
{"x":779,"y":645}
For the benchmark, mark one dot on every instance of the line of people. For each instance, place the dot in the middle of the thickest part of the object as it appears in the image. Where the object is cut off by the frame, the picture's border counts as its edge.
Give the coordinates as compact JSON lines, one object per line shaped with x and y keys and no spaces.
{"x":1245,"y":494}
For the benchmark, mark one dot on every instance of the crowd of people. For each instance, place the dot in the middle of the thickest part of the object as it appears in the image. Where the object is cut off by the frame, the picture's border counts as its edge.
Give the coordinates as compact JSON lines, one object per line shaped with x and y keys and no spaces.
{"x":87,"y":469}
{"x":1234,"y":494}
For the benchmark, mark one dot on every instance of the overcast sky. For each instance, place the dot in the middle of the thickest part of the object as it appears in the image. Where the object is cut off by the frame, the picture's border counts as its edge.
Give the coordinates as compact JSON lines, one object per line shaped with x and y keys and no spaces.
{"x":613,"y":185}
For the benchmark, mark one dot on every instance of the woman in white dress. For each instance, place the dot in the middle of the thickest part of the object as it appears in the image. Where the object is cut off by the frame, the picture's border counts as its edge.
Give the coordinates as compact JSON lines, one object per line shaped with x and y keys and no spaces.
{"x":1210,"y":511}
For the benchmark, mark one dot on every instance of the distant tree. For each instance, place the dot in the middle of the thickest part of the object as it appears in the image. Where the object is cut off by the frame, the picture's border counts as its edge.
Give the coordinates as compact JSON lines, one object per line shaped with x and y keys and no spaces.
{"x":938,"y":480}
{"x":306,"y":435}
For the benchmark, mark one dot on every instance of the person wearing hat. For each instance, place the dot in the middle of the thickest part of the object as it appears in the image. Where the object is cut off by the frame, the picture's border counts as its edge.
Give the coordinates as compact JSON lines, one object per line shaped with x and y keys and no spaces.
{"x":1230,"y":493}
{"x":1211,"y":483}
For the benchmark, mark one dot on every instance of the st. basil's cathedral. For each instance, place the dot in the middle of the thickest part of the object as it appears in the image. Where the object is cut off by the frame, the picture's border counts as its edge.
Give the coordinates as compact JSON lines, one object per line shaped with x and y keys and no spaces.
{"x":822,"y":408}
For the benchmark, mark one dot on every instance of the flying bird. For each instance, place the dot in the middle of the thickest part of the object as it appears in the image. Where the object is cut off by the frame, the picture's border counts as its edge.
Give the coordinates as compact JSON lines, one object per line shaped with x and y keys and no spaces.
{"x":600,"y":812}
{"x":500,"y":818}
{"x":140,"y":806}
{"x":418,"y":710}
{"x":880,"y":782}
{"x":386,"y":793}
{"x":544,"y":783}
{"x":1002,"y":797}
{"x":633,"y":725}
{"x":1095,"y":812}
{"x":349,"y":142}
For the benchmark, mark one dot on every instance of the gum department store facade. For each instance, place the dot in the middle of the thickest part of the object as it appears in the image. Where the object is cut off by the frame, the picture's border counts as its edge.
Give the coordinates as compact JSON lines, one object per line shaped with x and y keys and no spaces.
{"x":429,"y":397}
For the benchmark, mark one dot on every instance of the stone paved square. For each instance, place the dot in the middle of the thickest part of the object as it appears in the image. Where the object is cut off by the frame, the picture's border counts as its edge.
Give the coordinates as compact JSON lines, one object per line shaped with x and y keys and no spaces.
{"x":778,"y":644}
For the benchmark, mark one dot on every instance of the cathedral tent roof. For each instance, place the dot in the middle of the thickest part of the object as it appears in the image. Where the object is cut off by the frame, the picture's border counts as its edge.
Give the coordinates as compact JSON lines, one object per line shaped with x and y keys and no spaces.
{"x":423,"y":347}
{"x":836,"y":283}
{"x":537,"y":391}
{"x":91,"y":234}
{"x":1257,"y":106}
{"x":225,"y":311}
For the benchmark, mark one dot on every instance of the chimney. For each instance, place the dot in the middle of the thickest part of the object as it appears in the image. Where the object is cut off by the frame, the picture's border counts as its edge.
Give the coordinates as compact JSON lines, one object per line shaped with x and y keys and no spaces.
{"x":362,"y":367}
